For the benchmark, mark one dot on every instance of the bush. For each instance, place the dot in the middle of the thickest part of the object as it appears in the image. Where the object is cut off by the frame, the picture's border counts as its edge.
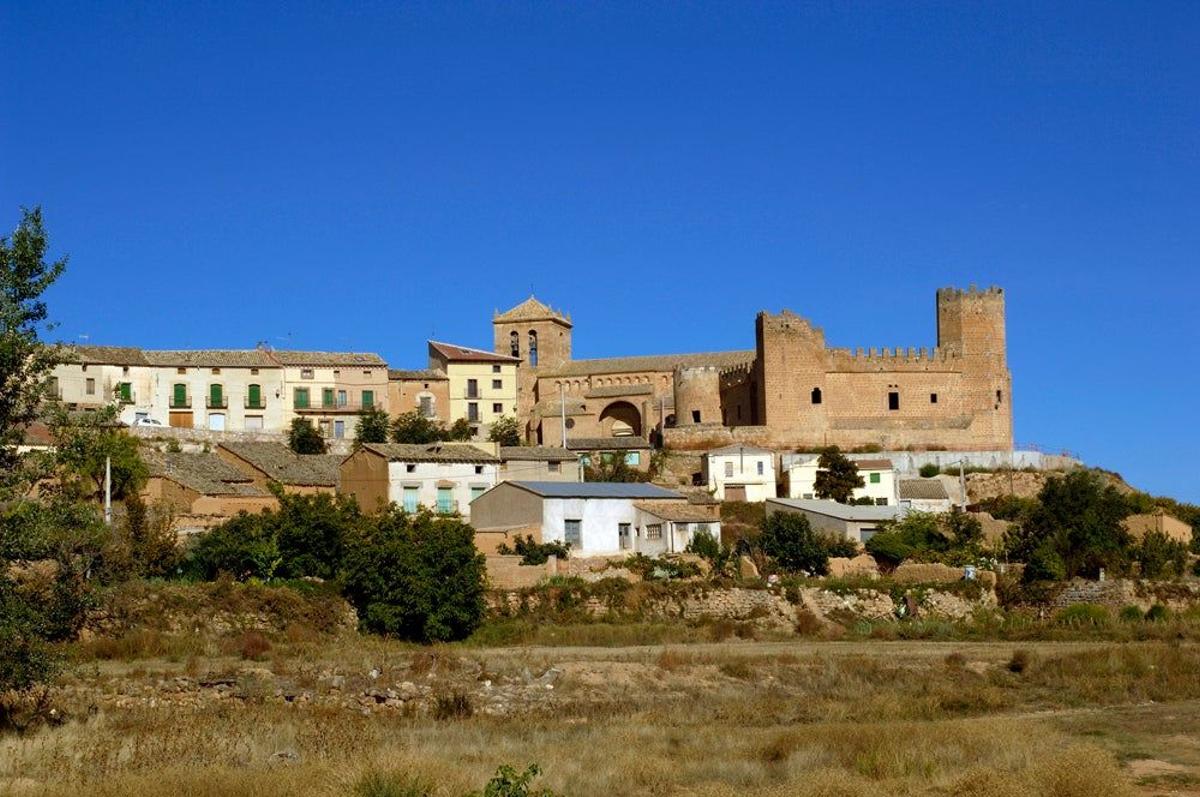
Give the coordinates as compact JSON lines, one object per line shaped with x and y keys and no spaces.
{"x":1020,"y":661}
{"x":1044,"y":565}
{"x":310,"y":532}
{"x":27,"y":659}
{"x":253,"y":646}
{"x":303,"y":438}
{"x":929,"y":470}
{"x":660,"y":569}
{"x":1158,"y":556}
{"x":1084,"y":615}
{"x":791,"y":542}
{"x":392,"y":784}
{"x":243,"y":547}
{"x":1158,"y":613}
{"x":1130,"y":614}
{"x":508,"y":783}
{"x":889,"y":549}
{"x":534,"y":553}
{"x":452,"y":707}
{"x":506,"y":431}
{"x":415,"y":576}
{"x":705,"y":545}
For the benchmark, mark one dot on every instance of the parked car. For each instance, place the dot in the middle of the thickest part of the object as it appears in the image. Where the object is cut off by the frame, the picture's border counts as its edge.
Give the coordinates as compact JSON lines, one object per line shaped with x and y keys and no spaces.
{"x":146,"y":422}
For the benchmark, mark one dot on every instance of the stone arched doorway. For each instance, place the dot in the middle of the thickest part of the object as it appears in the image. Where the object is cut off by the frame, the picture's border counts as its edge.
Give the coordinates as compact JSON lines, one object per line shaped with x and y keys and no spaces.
{"x":621,"y":419}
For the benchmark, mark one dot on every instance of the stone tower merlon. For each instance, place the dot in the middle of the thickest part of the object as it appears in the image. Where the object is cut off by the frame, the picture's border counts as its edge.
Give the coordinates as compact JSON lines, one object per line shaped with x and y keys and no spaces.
{"x":697,"y":394}
{"x":970,"y":323}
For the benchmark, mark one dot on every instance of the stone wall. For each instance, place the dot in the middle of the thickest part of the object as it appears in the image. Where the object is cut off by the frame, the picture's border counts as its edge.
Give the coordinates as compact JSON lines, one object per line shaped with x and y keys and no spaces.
{"x":196,"y":439}
{"x":1120,"y":592}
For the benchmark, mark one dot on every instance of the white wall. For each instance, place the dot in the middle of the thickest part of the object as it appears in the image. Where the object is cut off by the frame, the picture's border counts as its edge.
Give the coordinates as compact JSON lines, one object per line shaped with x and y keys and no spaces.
{"x":600,"y":517}
{"x":426,"y":475}
{"x":745,"y":472}
{"x":801,"y":479}
{"x":235,"y":383}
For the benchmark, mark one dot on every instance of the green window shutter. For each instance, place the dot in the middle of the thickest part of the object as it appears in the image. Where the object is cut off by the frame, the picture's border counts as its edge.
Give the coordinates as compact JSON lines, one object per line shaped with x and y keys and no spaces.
{"x":368,"y":399}
{"x":327,"y":397}
{"x":254,"y":392}
{"x":126,"y":391}
{"x":874,"y":478}
{"x":301,"y":397}
{"x":180,"y":399}
{"x":214,"y":393}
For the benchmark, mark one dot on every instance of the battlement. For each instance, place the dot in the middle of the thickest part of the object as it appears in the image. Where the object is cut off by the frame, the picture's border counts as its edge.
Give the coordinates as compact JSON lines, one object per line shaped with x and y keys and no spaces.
{"x":788,"y":322}
{"x":951,"y":294}
{"x":892,"y":359}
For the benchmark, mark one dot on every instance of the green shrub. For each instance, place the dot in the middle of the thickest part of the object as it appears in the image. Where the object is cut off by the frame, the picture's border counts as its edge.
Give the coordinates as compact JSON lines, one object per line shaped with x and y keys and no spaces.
{"x":791,"y":542}
{"x":243,"y":547}
{"x":889,"y":549}
{"x":706,"y":545}
{"x":1158,"y":556}
{"x":1044,"y":565}
{"x":310,"y":531}
{"x":929,"y":470}
{"x":1084,"y":614}
{"x":507,"y":782}
{"x":1158,"y":613}
{"x":1130,"y":614}
{"x":534,"y":553}
{"x":392,"y":784}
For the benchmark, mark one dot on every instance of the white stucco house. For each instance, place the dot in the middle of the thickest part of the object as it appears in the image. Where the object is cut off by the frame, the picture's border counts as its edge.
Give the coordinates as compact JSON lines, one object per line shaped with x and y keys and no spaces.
{"x":740,"y":473}
{"x":844,"y":521}
{"x":880,"y":482}
{"x":596,"y":518}
{"x":443,"y":477}
{"x":924,"y":495}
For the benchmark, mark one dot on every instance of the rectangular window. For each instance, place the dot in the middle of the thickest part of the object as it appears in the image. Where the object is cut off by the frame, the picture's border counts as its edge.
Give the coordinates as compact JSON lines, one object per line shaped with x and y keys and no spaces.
{"x":181,"y":370}
{"x":253,"y":372}
{"x":339,"y":429}
{"x":999,"y":395}
{"x":90,"y":387}
{"x":498,"y":409}
{"x":326,"y":428}
{"x":933,"y":398}
{"x":445,"y":500}
{"x":410,"y":499}
{"x":410,"y":467}
{"x":216,"y":371}
{"x":554,"y":467}
{"x":497,"y":384}
{"x":573,"y":533}
{"x":874,"y":478}
{"x":880,"y":502}
{"x":179,"y":399}
{"x":254,"y":423}
{"x":695,"y":416}
{"x":473,"y":412}
{"x":495,"y":369}
{"x":728,"y":470}
{"x":623,"y":536}
{"x":893,"y":400}
{"x":216,"y":396}
{"x":472,"y":388}
{"x":125,"y":392}
{"x":654,"y":531}
{"x":633,"y":458}
{"x":300,"y":398}
{"x":760,"y":468}
{"x":368,"y":399}
{"x":306,"y":373}
{"x":254,"y":397}
{"x":366,"y":373}
{"x":477,"y":490}
{"x":342,"y":399}
{"x":327,"y":397}
{"x":427,"y":406}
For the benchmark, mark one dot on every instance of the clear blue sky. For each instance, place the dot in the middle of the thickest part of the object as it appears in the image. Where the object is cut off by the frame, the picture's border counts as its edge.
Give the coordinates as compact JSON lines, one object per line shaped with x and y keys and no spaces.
{"x":365,"y":177}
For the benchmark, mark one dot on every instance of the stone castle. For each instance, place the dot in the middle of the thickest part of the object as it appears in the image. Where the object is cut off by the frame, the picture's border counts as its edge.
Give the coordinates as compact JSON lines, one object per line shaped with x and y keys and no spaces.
{"x":790,"y":391}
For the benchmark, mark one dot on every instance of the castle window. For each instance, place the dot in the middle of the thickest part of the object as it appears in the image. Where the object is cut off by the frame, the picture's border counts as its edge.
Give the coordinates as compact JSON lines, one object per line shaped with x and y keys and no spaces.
{"x":533,"y":352}
{"x":514,"y":343}
{"x":816,"y":395}
{"x":893,"y":400}
{"x":933,"y":398}
{"x":998,"y":394}
{"x":695,"y":416}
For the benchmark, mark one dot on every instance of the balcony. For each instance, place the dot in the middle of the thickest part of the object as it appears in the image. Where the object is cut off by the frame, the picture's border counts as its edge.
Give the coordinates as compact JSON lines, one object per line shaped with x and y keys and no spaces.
{"x":216,"y":403}
{"x":468,"y":393}
{"x":255,"y":404}
{"x":349,"y":408}
{"x":447,"y":507}
{"x":180,"y":403}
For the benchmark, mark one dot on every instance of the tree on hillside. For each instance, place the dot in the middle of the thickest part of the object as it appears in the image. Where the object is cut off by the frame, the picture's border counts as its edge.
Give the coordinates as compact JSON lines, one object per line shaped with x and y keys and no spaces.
{"x":459,"y":431}
{"x":413,"y":427}
{"x":790,"y":541}
{"x":373,"y":426}
{"x":505,"y":431}
{"x":837,"y":477}
{"x":83,"y":441}
{"x":303,"y":438}
{"x":611,"y":466}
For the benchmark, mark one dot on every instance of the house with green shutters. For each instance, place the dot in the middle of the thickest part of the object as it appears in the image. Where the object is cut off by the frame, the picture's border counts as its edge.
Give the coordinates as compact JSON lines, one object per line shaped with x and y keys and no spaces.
{"x":331,"y":388}
{"x":234,"y":390}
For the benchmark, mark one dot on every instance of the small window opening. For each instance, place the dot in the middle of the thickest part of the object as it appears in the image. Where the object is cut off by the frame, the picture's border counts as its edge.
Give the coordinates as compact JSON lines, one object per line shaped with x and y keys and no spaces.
{"x":816,"y":395}
{"x":695,"y":416}
{"x":514,"y":343}
{"x":893,"y":400}
{"x":533,"y":349}
{"x":998,"y":396}
{"x":933,"y":398}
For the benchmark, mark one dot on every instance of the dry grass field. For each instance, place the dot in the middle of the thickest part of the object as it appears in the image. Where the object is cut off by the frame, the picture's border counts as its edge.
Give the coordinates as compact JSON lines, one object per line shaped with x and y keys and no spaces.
{"x":358,"y":715}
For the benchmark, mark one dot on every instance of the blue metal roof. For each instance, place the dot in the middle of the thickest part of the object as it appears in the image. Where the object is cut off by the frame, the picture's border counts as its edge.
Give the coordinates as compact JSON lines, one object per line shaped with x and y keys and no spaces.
{"x":597,"y":490}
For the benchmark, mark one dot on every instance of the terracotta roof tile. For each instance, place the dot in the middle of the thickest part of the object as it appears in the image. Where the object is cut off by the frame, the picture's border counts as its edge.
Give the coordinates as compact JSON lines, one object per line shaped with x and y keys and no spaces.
{"x":465,"y":354}
{"x":430,"y":452}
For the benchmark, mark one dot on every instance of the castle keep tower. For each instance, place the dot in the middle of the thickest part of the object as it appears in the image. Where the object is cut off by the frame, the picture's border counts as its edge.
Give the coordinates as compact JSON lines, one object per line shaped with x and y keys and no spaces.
{"x":970,"y":326}
{"x":537,"y":334}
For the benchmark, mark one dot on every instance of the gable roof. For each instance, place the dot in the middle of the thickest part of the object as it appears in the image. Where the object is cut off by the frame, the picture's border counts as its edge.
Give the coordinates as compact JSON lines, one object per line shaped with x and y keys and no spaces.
{"x":285,"y":466}
{"x":632,"y":442}
{"x":536,"y":454}
{"x":740,"y":449}
{"x":532,"y":310}
{"x":679,"y":513}
{"x":627,"y":490}
{"x":294,"y":358}
{"x":872,"y":464}
{"x":833,"y":509}
{"x":451,"y":352}
{"x":653,"y":362}
{"x":430,"y":452}
{"x":928,"y":489}
{"x":211,"y":358}
{"x":104,"y":355}
{"x":418,"y":375}
{"x":206,"y":473}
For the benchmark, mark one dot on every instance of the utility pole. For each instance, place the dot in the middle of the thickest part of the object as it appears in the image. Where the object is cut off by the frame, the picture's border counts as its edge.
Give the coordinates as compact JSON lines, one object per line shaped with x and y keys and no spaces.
{"x":962,"y":484}
{"x":108,"y":491}
{"x":562,"y":407}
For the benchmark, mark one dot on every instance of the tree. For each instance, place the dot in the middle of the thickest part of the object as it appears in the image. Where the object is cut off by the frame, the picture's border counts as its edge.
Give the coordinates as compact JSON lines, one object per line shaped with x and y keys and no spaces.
{"x":837,"y":477}
{"x":243,"y":547}
{"x":1078,"y":519}
{"x":505,"y":431}
{"x":25,"y":361}
{"x":311,"y":533}
{"x":1159,"y":556}
{"x":84,"y":441}
{"x":415,"y":576}
{"x":611,"y":466}
{"x":144,"y":544}
{"x":303,"y":438}
{"x":459,"y":431}
{"x":372,"y":427}
{"x":788,"y":538}
{"x":413,"y":427}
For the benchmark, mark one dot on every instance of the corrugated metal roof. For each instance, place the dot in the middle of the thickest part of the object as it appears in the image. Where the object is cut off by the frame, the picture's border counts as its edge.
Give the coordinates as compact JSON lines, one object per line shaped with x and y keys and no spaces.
{"x":833,"y":509}
{"x":634,"y":490}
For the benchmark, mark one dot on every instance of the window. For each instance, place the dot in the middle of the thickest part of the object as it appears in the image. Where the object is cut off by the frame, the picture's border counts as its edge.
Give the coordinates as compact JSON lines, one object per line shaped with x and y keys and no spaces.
{"x":125,"y":369}
{"x":554,"y":467}
{"x":816,"y":395}
{"x":880,"y":502}
{"x":366,"y":373}
{"x":999,"y":395}
{"x":760,"y":467}
{"x":623,"y":537}
{"x":808,"y":496}
{"x":326,"y":428}
{"x":695,"y":416}
{"x":514,"y":345}
{"x":573,"y":533}
{"x":306,"y":373}
{"x":52,"y":386}
{"x":498,"y":409}
{"x":342,"y":399}
{"x":179,"y":399}
{"x":473,"y":412}
{"x":300,"y":398}
{"x":426,"y":406}
{"x":472,"y":388}
{"x":893,"y":400}
{"x":216,"y":396}
{"x":368,"y":399}
{"x":254,"y":397}
{"x":478,"y":469}
{"x":633,"y":458}
{"x":533,"y":350}
{"x":933,"y":398}
{"x":327,"y":397}
{"x":253,"y":372}
{"x":477,"y":490}
{"x":728,"y":470}
{"x":654,"y":531}
{"x":83,"y":367}
{"x":410,"y":467}
{"x":216,"y":371}
{"x":874,"y":478}
{"x":254,"y":423}
{"x":216,"y":421}
{"x":445,"y":500}
{"x":497,"y":384}
{"x":410,"y":499}
{"x":339,"y":429}
{"x":125,"y":392}
{"x":496,"y":370}
{"x":90,"y":387}
{"x":181,"y":370}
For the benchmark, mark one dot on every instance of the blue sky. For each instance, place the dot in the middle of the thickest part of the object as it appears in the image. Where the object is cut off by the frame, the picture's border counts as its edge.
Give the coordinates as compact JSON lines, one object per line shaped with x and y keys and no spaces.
{"x":370,"y":175}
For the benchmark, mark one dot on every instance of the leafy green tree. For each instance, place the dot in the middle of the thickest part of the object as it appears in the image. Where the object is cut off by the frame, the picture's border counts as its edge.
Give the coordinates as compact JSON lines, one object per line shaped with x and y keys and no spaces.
{"x":837,"y":476}
{"x":1158,"y":556}
{"x":889,"y":549}
{"x":303,"y":437}
{"x":505,"y":431}
{"x":373,"y":426}
{"x":459,"y":431}
{"x":963,"y":529}
{"x":415,"y":576}
{"x":1079,"y":518}
{"x":83,"y":441}
{"x":610,"y":466}
{"x":144,"y":544}
{"x":311,"y":533}
{"x":790,"y":541}
{"x":245,"y":546}
{"x":413,"y":427}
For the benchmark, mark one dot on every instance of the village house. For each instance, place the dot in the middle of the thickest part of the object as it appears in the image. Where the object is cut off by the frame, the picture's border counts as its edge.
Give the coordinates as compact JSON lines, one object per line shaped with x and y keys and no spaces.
{"x":443,"y":477}
{"x":269,"y":462}
{"x":842,"y":521}
{"x":1139,"y":526}
{"x":425,"y":391}
{"x":878,"y":475}
{"x":539,"y":463}
{"x":595,"y":518}
{"x":91,"y":377}
{"x":482,"y":385}
{"x":218,"y":390}
{"x":201,"y":488}
{"x":924,"y":495}
{"x":739,"y":473}
{"x":331,"y":388}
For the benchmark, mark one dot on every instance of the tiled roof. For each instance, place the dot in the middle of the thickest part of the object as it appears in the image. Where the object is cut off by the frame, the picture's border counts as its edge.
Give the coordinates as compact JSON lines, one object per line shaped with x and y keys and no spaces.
{"x":536,"y":454}
{"x":854,"y":512}
{"x":212,"y":358}
{"x":206,"y":473}
{"x":430,"y":452}
{"x":680,"y":513}
{"x":421,"y":375}
{"x":465,"y":354}
{"x":873,"y":464}
{"x":324,"y":358}
{"x":533,"y":310}
{"x":610,"y":391}
{"x":634,"y":490}
{"x":661,"y":362}
{"x":607,"y":443}
{"x":285,"y":466}
{"x":104,"y":355}
{"x":929,"y":489}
